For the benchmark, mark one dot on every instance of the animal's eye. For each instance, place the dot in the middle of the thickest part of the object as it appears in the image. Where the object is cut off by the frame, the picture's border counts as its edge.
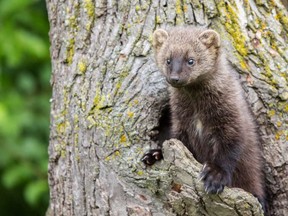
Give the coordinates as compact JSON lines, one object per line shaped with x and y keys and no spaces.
{"x":168,"y":61}
{"x":190,"y":62}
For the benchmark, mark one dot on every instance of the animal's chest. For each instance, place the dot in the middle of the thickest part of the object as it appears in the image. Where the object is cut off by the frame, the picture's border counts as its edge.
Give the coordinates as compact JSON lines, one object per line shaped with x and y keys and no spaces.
{"x":193,"y":123}
{"x":195,"y":127}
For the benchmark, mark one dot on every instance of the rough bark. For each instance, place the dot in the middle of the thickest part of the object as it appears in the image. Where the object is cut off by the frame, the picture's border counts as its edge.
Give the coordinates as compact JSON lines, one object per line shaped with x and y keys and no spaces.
{"x":108,"y":97}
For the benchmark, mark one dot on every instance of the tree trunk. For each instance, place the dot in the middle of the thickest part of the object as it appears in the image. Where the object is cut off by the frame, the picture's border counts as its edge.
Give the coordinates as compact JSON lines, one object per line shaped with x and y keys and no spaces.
{"x":108,"y":97}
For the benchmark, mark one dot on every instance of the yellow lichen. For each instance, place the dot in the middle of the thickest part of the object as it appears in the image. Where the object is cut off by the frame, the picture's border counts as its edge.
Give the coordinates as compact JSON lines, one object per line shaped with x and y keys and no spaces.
{"x":158,"y":19}
{"x":286,"y":108}
{"x":63,"y":153}
{"x":185,"y":8}
{"x":89,"y":7}
{"x":150,"y":38}
{"x":70,"y":51}
{"x":137,"y":8}
{"x":232,"y":25}
{"x":140,"y":172}
{"x":267,"y":70}
{"x":91,"y":121}
{"x":130,"y":114}
{"x":123,"y":138}
{"x":178,"y":7}
{"x":61,"y":127}
{"x":279,"y":124}
{"x":278,"y":135}
{"x":271,"y":113}
{"x":281,"y":14}
{"x":72,"y":22}
{"x":82,"y":67}
{"x":243,"y":64}
{"x":88,"y":26}
{"x":247,"y":5}
{"x":179,"y":12}
{"x":98,"y":100}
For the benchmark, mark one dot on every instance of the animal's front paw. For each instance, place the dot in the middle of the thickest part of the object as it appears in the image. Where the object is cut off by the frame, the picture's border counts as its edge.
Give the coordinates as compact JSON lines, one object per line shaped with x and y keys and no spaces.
{"x":214,"y":178}
{"x":152,"y":156}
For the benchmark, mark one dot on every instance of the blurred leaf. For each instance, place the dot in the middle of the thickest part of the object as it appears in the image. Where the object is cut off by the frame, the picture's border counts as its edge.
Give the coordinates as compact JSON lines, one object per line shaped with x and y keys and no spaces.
{"x":35,"y":190}
{"x":3,"y":113}
{"x":22,"y":46}
{"x":15,"y":175}
{"x":9,"y":124}
{"x":8,"y":7}
{"x":24,"y":106}
{"x":31,"y":43}
{"x":26,"y":83}
{"x":9,"y":49}
{"x":31,"y":149}
{"x":27,"y":18}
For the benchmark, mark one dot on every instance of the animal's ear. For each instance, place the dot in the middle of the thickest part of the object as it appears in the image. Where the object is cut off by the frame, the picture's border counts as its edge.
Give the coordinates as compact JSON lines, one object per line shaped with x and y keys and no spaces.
{"x":210,"y":38}
{"x":159,"y":37}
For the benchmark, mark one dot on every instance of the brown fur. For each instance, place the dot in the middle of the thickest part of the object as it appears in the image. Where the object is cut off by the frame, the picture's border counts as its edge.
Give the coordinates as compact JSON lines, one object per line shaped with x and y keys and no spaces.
{"x":209,"y":112}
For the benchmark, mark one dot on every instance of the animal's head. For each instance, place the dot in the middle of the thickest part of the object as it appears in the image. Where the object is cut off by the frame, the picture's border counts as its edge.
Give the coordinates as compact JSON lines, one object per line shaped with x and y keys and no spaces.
{"x":186,"y":55}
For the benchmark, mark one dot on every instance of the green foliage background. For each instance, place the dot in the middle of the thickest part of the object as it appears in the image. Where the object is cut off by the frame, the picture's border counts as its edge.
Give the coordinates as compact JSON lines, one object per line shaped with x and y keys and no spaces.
{"x":24,"y":107}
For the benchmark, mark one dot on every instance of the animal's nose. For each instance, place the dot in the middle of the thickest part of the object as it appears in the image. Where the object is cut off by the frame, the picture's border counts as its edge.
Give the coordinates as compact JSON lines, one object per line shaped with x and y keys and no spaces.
{"x":174,"y":79}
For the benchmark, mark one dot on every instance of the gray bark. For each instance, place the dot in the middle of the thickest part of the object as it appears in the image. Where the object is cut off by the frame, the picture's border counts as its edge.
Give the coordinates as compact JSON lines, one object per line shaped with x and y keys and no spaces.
{"x":108,"y":96}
